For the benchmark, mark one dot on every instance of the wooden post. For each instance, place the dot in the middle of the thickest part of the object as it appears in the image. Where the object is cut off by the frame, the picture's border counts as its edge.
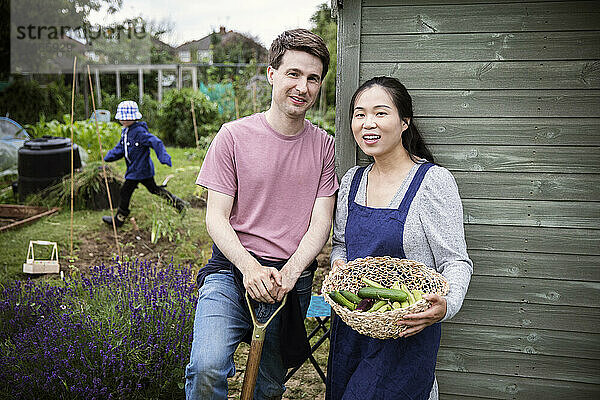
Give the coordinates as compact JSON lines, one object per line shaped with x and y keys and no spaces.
{"x":141,"y":84}
{"x":118,"y":83}
{"x":237,"y":109}
{"x":194,"y":120}
{"x":160,"y":87}
{"x":179,"y":77}
{"x":98,"y":92}
{"x":254,"y":96}
{"x":195,"y":78}
{"x":86,"y":91}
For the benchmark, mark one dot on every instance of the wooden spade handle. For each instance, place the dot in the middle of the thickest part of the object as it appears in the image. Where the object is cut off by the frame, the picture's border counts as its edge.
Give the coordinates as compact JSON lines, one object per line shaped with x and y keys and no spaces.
{"x":256,"y":346}
{"x":251,"y":373}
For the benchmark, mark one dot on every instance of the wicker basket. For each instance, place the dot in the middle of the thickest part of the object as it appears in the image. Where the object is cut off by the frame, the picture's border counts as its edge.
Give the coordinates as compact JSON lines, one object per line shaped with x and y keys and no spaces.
{"x":384,"y":270}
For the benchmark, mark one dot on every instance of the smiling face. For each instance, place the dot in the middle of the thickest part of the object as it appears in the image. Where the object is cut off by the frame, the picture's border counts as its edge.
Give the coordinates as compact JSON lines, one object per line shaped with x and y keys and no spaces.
{"x":127,"y":123}
{"x":376,"y":123}
{"x":295,"y":83}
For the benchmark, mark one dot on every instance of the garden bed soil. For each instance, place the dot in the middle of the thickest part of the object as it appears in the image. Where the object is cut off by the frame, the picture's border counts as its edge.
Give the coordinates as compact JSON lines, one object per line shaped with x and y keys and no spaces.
{"x":16,"y":215}
{"x":135,"y":244}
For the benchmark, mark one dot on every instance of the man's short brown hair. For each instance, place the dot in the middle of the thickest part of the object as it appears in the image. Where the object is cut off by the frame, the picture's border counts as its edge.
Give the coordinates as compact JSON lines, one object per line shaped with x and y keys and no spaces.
{"x":301,"y":40}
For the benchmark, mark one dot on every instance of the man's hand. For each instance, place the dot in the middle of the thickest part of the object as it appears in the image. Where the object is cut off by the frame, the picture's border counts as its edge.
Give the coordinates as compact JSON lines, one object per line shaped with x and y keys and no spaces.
{"x":288,"y":281}
{"x":260,"y":282}
{"x":419,"y":321}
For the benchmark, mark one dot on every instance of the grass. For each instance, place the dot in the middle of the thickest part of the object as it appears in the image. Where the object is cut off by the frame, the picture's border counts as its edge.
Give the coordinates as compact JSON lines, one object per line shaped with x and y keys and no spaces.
{"x":192,"y":245}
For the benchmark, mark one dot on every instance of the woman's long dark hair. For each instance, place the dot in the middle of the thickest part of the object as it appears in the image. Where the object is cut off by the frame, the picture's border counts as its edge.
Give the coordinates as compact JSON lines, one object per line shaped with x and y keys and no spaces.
{"x":411,"y":138}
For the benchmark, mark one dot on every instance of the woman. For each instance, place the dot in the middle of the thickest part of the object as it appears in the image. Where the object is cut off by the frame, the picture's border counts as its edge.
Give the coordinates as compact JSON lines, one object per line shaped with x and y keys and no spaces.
{"x":403,"y":206}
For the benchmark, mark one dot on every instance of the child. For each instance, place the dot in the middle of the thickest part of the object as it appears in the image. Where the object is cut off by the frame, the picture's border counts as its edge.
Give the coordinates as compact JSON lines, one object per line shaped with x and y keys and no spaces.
{"x":135,"y":146}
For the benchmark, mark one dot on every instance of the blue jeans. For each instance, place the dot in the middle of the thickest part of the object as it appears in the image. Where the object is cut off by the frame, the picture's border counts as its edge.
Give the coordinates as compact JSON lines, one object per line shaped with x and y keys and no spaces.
{"x":221,"y":322}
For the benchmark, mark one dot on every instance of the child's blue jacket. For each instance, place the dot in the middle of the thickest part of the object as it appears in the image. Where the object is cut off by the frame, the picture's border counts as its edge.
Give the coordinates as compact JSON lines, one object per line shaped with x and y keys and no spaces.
{"x":135,"y":145}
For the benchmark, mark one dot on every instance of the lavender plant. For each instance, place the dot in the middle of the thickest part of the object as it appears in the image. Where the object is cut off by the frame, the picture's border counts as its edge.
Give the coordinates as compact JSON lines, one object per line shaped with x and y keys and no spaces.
{"x":123,"y":332}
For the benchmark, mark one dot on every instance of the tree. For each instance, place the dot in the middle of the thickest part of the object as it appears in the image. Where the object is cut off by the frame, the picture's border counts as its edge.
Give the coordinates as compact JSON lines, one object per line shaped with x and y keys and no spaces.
{"x":161,"y":53}
{"x":40,"y":31}
{"x":236,"y":48}
{"x":326,"y":27}
{"x":128,"y":42}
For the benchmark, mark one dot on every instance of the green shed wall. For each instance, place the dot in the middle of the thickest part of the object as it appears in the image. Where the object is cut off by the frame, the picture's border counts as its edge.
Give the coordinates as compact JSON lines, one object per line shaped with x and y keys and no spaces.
{"x":507,"y":94}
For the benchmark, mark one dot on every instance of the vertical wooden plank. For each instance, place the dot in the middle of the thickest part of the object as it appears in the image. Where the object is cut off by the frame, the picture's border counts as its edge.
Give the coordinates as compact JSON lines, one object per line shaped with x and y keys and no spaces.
{"x":98,"y":91}
{"x":141,"y":85}
{"x":86,"y":92}
{"x":118,"y":83}
{"x":348,"y":55}
{"x":160,"y":87}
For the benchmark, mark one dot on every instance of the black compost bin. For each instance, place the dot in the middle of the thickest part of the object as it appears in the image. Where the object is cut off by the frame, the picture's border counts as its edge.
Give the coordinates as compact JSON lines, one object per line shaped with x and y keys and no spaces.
{"x":44,"y":161}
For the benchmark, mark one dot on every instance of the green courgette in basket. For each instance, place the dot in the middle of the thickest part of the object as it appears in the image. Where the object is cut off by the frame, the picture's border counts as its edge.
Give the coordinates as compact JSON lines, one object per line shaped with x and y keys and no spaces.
{"x":411,"y":298}
{"x":382,"y":294}
{"x":371,"y":283}
{"x":350,"y":296}
{"x":341,"y":300}
{"x":377,"y":306}
{"x":418,"y":294}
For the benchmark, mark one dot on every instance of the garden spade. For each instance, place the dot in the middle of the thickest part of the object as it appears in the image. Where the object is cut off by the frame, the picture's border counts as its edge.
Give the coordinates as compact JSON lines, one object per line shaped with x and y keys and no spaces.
{"x":258,"y":339}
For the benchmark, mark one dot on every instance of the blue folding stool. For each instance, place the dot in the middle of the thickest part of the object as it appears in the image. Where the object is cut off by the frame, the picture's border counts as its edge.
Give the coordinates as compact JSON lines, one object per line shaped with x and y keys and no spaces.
{"x":321,"y":312}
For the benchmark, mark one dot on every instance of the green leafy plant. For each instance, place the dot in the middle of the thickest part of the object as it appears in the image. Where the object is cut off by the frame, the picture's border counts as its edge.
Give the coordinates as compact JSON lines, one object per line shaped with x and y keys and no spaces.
{"x":165,"y":223}
{"x":325,"y":122}
{"x":251,"y":91}
{"x":175,"y":117}
{"x":87,"y":185}
{"x":28,"y":101}
{"x":84,"y":133}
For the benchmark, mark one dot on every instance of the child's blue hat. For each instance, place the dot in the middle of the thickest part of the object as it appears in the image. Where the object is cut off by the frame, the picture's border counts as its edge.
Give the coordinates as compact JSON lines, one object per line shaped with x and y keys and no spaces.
{"x":128,"y":111}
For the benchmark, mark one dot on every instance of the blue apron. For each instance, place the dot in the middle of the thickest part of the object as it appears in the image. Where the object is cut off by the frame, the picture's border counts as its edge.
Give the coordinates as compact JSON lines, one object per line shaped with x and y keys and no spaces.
{"x":364,"y":368}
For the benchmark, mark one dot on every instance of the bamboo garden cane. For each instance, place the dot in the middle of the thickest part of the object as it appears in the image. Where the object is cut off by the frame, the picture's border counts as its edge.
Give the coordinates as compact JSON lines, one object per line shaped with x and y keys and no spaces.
{"x":104,"y":166}
{"x":72,"y":139}
{"x":194,"y":120}
{"x":258,"y":339}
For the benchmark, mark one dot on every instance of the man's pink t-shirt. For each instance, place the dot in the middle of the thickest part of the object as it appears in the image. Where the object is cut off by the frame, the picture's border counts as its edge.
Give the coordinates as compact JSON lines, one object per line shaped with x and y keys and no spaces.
{"x":274,"y":179}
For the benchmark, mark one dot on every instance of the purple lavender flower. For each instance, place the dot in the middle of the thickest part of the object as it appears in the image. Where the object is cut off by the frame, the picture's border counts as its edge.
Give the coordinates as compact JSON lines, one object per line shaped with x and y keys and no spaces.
{"x":123,"y":332}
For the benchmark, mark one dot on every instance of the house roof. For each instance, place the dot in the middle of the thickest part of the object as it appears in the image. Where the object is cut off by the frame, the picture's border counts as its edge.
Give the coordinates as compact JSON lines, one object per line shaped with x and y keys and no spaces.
{"x":162,"y":45}
{"x":200,"y":44}
{"x":226,"y":36}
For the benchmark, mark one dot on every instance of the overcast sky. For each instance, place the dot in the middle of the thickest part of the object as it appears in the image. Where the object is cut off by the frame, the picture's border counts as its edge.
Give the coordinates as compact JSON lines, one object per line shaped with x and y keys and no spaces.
{"x":192,"y":20}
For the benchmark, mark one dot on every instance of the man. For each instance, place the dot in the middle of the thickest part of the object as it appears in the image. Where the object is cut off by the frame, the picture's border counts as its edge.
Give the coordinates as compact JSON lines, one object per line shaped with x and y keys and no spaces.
{"x":271,"y":186}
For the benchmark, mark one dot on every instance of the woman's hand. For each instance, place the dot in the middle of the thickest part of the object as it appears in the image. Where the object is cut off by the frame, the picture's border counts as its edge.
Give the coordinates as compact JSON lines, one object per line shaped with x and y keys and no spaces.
{"x":419,"y":321}
{"x":339,"y":263}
